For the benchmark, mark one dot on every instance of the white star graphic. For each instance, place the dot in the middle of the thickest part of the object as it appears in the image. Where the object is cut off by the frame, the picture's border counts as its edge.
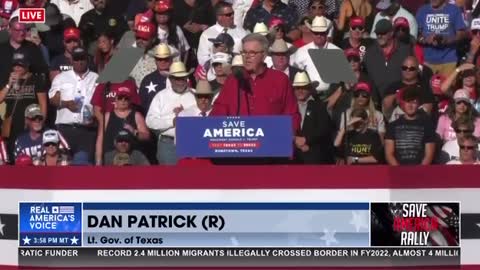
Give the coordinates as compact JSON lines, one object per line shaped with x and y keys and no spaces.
{"x":359,"y":220}
{"x":26,"y":240}
{"x":1,"y":227}
{"x":329,"y":237}
{"x":152,"y":87}
{"x":74,"y":240}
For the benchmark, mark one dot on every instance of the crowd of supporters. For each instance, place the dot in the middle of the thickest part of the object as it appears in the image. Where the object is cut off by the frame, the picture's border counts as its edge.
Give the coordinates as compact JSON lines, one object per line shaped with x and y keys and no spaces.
{"x":415,"y":102}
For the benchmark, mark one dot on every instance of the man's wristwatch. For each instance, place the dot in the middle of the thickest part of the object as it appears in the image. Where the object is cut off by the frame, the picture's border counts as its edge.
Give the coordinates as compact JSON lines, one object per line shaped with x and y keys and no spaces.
{"x":356,"y":159}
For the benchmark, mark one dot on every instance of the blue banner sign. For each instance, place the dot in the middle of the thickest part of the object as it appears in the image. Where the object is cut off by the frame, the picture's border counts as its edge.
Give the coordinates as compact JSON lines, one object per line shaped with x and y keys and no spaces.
{"x":252,"y":136}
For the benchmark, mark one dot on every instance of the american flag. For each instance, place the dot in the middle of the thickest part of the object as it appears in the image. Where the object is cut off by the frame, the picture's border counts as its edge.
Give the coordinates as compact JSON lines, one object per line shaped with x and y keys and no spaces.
{"x":67,"y":209}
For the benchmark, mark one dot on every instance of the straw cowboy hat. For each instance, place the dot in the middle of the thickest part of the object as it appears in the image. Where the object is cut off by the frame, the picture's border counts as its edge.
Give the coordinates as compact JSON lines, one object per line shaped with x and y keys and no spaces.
{"x":261,"y":28}
{"x":280,"y":46}
{"x":302,"y":79}
{"x":319,"y":24}
{"x":203,"y":88}
{"x":237,"y":61}
{"x":178,"y":69}
{"x":163,"y":51}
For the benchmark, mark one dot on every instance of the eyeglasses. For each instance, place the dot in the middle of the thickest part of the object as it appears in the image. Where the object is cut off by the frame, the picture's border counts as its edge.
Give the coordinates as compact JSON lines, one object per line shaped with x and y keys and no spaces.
{"x":457,"y":130}
{"x":407,"y":68}
{"x":252,"y":53}
{"x":320,"y":33}
{"x":125,"y":98}
{"x":355,"y":59}
{"x":50,"y":144}
{"x":468,"y":147}
{"x":228,"y":14}
{"x":357,"y":28}
{"x":36,"y":119}
{"x":361,"y":94}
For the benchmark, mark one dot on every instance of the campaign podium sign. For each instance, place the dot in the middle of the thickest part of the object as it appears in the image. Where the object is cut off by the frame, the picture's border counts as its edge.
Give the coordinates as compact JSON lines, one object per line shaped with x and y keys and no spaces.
{"x":249,"y":136}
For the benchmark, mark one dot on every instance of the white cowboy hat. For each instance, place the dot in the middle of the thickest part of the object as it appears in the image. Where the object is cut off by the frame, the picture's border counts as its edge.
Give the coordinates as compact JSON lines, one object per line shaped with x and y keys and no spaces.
{"x":261,"y":28}
{"x":203,"y":88}
{"x":178,"y":69}
{"x":302,"y":79}
{"x":237,"y":61}
{"x":163,"y":51}
{"x":280,"y":46}
{"x":319,"y":24}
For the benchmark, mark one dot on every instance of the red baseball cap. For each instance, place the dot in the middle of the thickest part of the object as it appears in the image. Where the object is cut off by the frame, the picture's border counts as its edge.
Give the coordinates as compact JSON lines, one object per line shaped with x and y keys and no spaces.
{"x":351,"y":52}
{"x":357,"y":21}
{"x":145,"y":30}
{"x":275,"y":21}
{"x":401,"y":22}
{"x":363,"y":86}
{"x":71,"y":33}
{"x":7,"y":7}
{"x":122,"y":89}
{"x":23,"y":160}
{"x":162,"y":6}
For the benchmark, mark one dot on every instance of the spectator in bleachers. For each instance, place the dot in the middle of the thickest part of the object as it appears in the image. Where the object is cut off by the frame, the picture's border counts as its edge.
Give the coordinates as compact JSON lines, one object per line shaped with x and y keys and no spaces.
{"x":359,"y":144}
{"x":362,"y":99}
{"x":383,"y":60}
{"x":164,"y":109}
{"x":221,"y":69}
{"x":225,"y":24}
{"x":17,"y":42}
{"x":402,"y":34}
{"x":123,"y":154}
{"x":472,"y":55}
{"x":263,"y":91}
{"x":277,"y":29}
{"x":7,"y":7}
{"x":410,"y":140}
{"x":359,"y":9}
{"x":52,"y":155}
{"x":304,"y":35}
{"x":356,"y":38}
{"x":105,"y":50}
{"x":98,"y":20}
{"x":268,"y":8}
{"x":146,"y":38}
{"x":301,"y":6}
{"x":74,"y":8}
{"x":71,"y":93}
{"x":63,"y":62}
{"x":158,"y":79}
{"x":203,"y":98}
{"x":280,"y":53}
{"x":313,"y":144}
{"x":461,"y":106}
{"x":464,"y":77}
{"x":318,"y":8}
{"x":468,"y":153}
{"x":463,"y":126}
{"x":411,"y":76}
{"x":390,"y":10}
{"x":302,"y":59}
{"x":23,"y":88}
{"x":441,"y":36}
{"x":123,"y":117}
{"x":30,"y":142}
{"x":223,"y":43}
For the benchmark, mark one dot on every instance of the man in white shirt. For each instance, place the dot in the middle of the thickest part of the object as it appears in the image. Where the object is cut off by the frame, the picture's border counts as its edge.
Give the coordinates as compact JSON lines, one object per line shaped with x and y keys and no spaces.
{"x":74,"y":8}
{"x":468,"y":154}
{"x":203,"y":97}
{"x":390,"y":10}
{"x":302,"y":60}
{"x":225,"y":24}
{"x":71,"y":93}
{"x":164,"y":109}
{"x":280,"y":53}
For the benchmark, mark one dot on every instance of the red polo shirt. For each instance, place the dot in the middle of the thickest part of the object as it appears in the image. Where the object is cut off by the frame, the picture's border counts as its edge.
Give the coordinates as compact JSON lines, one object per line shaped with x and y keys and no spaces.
{"x":271,"y":94}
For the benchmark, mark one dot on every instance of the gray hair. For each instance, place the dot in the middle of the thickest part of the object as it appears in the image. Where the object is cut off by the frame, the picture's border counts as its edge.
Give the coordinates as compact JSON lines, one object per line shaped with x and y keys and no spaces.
{"x":258,"y":38}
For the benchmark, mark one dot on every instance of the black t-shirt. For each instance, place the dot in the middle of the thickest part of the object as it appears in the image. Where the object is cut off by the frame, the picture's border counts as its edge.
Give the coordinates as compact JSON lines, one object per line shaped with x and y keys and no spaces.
{"x":364,"y":44}
{"x":426,"y":96}
{"x":17,"y":100}
{"x":364,"y":144}
{"x":410,"y":137}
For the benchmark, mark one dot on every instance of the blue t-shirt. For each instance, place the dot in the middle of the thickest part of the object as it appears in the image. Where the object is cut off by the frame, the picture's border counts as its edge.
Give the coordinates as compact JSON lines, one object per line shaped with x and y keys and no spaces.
{"x":445,"y":21}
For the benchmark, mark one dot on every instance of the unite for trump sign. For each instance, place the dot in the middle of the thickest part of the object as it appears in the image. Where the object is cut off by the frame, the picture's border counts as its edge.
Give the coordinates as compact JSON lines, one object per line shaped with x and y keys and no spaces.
{"x":252,"y":136}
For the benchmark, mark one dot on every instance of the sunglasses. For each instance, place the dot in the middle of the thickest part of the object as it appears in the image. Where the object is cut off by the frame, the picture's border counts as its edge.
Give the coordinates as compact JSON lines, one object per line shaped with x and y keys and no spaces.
{"x":162,"y":59}
{"x":126,"y":98}
{"x":355,"y":59}
{"x":402,"y":29}
{"x":68,"y":41}
{"x":36,"y":118}
{"x":228,"y":14}
{"x":357,"y":28}
{"x":407,"y":68}
{"x":463,"y":130}
{"x":462,"y":102}
{"x":320,"y":33}
{"x":200,"y":96}
{"x":50,"y":144}
{"x":361,"y":93}
{"x":467,"y":147}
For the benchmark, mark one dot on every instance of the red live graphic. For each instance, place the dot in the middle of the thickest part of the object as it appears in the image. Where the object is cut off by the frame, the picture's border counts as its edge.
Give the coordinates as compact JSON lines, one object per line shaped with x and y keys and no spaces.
{"x":414,"y":225}
{"x":31,"y":15}
{"x":234,"y":145}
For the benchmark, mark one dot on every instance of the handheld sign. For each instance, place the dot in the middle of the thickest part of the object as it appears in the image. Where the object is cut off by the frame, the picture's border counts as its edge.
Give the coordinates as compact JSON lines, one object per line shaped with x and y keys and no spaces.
{"x":252,"y":136}
{"x":120,"y":66}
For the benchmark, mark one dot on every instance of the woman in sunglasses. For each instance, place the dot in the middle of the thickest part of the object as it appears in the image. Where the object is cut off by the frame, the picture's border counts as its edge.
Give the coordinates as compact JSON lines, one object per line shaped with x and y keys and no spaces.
{"x":461,"y":106}
{"x":362,"y":99}
{"x":52,"y":154}
{"x":468,"y":154}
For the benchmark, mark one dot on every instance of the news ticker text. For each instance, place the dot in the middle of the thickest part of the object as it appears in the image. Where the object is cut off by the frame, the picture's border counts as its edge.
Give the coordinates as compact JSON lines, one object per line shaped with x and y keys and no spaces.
{"x":361,"y":256}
